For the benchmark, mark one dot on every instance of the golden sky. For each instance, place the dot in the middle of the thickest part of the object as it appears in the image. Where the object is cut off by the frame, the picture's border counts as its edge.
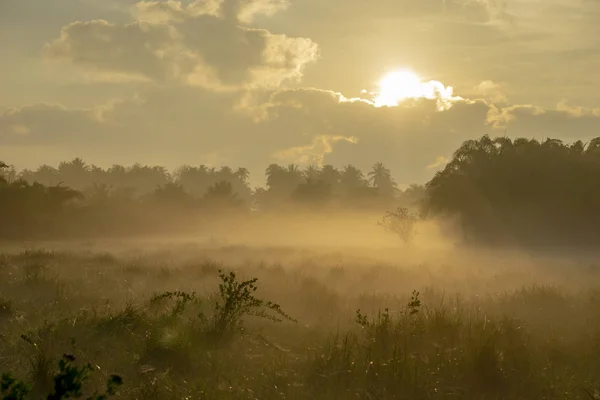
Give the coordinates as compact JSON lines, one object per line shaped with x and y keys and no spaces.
{"x":252,"y":82}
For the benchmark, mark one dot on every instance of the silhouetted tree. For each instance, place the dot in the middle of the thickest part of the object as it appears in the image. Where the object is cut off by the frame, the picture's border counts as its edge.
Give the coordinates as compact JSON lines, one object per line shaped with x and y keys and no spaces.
{"x":521,"y":191}
{"x":311,"y":172}
{"x":381,"y":178}
{"x":313,"y":192}
{"x":171,"y":194}
{"x":352,"y":178}
{"x":222,"y":195}
{"x":281,"y":182}
{"x":242,"y":174}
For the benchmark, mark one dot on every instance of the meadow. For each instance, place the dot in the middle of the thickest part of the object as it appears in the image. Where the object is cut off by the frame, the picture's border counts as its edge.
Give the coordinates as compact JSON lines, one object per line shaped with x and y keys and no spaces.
{"x":204,"y":320}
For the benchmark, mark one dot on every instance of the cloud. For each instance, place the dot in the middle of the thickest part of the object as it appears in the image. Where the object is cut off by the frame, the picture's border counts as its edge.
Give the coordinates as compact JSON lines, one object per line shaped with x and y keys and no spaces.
{"x":243,"y":11}
{"x":201,"y":44}
{"x":46,"y":124}
{"x":251,"y":8}
{"x":178,"y":125}
{"x":491,"y":91}
{"x":171,"y":10}
{"x":533,"y":121}
{"x":439,"y":162}
{"x":312,"y":154}
{"x":140,"y":50}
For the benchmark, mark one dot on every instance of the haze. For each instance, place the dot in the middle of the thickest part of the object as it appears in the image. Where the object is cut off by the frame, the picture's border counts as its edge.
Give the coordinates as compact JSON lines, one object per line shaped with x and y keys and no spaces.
{"x":299,"y":199}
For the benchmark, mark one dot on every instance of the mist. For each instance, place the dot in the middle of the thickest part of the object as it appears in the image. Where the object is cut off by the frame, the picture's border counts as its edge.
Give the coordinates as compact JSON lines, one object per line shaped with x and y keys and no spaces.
{"x":273,"y":199}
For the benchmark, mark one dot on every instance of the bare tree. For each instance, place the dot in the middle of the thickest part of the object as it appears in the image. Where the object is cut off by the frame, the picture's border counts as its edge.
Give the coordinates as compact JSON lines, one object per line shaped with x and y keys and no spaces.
{"x":400,"y":222}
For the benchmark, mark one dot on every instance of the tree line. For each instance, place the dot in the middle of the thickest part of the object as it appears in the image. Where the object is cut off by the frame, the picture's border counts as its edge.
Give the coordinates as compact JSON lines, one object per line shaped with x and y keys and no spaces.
{"x":32,"y":200}
{"x":501,"y":191}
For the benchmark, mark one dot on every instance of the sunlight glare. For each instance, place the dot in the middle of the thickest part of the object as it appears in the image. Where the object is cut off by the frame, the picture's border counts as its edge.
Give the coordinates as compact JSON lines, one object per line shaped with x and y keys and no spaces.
{"x":404,"y":84}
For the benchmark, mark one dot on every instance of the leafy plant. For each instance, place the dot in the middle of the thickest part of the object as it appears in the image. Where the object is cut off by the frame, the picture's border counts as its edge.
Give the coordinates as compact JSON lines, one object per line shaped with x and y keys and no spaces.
{"x":12,"y":389}
{"x":237,"y":300}
{"x":182,"y":300}
{"x":414,"y":304}
{"x":68,"y":383}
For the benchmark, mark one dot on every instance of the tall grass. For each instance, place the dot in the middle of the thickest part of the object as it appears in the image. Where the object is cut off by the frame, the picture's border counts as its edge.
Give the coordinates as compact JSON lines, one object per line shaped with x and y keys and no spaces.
{"x":349,"y":330}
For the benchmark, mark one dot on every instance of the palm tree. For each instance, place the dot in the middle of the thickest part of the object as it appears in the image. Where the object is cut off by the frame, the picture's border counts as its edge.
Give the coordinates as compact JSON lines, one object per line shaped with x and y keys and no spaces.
{"x":311,"y":173}
{"x":46,"y":175}
{"x":242,"y":174}
{"x":330,"y":175}
{"x":593,"y":146}
{"x":381,"y":179}
{"x":74,"y":173}
{"x":275,"y":176}
{"x":221,"y":194}
{"x":352,"y":177}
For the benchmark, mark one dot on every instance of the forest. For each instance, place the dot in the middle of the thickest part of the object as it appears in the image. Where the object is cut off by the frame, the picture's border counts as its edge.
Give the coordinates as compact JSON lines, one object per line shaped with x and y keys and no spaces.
{"x":501,"y":191}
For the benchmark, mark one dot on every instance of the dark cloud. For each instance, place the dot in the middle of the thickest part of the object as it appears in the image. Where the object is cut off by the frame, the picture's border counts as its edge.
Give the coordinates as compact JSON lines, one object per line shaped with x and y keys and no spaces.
{"x":140,"y":50}
{"x":47,"y":125}
{"x":199,"y":44}
{"x":304,"y":126}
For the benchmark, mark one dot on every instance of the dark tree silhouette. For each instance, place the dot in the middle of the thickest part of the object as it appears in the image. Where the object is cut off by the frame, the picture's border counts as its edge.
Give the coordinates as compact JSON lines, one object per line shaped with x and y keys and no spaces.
{"x":381,"y":179}
{"x":221,"y":194}
{"x":313,"y":192}
{"x":522,"y":191}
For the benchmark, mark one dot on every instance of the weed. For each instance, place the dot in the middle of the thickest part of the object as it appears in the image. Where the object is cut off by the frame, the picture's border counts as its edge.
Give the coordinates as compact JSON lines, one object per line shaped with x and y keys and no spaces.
{"x":414,"y":304}
{"x":237,"y":300}
{"x":12,"y":389}
{"x":124,"y":320}
{"x":182,"y":300}
{"x":33,"y":270}
{"x":68,"y":383}
{"x":6,"y":308}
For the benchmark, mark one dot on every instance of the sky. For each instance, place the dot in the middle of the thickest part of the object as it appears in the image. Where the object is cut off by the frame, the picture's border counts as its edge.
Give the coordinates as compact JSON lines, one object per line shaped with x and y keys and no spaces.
{"x":254,"y":82}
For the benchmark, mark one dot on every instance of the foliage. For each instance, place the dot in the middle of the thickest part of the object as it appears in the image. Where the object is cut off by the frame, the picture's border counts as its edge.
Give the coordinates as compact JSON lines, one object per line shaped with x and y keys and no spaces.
{"x":78,"y":199}
{"x":68,"y":383}
{"x":401,"y":223}
{"x":237,"y":300}
{"x":521,"y":191}
{"x":12,"y":389}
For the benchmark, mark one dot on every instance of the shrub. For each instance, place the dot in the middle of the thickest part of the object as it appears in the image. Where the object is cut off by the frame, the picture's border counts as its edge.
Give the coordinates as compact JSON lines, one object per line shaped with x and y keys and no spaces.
{"x":68,"y":383}
{"x":401,"y":223}
{"x":237,"y":300}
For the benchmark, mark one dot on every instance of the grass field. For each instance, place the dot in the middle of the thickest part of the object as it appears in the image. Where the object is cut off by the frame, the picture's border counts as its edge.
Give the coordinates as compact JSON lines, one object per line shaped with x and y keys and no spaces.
{"x":353,"y":324}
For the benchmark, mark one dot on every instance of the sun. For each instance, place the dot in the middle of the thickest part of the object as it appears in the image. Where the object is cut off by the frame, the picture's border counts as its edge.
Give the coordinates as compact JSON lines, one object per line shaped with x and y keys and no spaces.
{"x":404,"y":84}
{"x":397,"y":86}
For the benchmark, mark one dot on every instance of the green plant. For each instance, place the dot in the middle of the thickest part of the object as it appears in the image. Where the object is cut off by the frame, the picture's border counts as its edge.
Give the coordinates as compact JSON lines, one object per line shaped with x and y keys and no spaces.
{"x":414,"y":305}
{"x":68,"y":383}
{"x":237,"y":300}
{"x":12,"y":389}
{"x":182,"y":300}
